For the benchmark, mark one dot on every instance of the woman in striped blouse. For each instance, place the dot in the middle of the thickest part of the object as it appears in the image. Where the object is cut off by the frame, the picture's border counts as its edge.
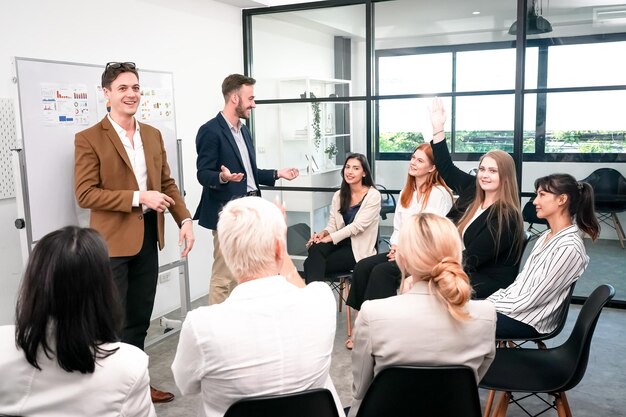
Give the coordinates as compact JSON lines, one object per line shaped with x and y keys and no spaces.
{"x":529,"y":306}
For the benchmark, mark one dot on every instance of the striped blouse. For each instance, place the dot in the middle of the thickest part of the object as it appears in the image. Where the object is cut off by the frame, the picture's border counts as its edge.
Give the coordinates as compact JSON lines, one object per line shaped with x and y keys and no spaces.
{"x":536,"y":295}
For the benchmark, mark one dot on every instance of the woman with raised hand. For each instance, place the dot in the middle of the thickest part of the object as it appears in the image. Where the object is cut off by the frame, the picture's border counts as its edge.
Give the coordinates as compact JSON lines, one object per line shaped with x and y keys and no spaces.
{"x":62,"y":357}
{"x":487,"y":212}
{"x":433,"y":322}
{"x":529,"y":307}
{"x":425,"y":191}
{"x":352,"y":228}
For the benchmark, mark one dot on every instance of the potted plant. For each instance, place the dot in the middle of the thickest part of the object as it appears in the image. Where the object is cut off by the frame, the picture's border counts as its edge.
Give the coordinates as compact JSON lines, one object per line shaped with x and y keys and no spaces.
{"x":317,"y":130}
{"x":330,"y":151}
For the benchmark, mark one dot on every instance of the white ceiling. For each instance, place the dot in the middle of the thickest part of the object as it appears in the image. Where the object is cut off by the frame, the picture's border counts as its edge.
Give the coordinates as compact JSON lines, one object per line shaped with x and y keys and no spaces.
{"x":245,"y":4}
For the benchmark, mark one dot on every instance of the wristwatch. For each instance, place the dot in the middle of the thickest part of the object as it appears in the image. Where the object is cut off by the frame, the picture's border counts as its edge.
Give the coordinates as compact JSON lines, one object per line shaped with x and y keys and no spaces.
{"x":275,"y":174}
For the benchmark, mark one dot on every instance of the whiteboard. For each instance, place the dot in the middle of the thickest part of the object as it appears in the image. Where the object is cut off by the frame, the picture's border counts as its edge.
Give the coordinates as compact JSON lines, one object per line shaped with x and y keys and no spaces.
{"x":57,"y":100}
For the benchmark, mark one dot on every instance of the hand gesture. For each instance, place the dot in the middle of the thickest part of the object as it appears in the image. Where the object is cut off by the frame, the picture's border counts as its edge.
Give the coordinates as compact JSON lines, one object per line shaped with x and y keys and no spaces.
{"x":437,"y":114}
{"x":288,"y":173}
{"x":155,"y":200}
{"x":391,"y":256}
{"x":186,"y":236}
{"x":227,"y":176}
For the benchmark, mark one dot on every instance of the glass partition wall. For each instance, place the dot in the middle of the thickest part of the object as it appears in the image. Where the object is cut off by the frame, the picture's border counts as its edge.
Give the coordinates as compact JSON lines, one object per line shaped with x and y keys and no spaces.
{"x":358,"y":76}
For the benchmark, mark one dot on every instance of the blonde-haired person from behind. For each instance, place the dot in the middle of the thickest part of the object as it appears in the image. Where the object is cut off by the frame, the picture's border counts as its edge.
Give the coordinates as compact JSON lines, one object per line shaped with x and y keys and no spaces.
{"x":433,"y":322}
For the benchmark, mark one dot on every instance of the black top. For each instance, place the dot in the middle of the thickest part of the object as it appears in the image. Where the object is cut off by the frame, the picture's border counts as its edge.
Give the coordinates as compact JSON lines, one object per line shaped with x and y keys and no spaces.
{"x":348,"y":216}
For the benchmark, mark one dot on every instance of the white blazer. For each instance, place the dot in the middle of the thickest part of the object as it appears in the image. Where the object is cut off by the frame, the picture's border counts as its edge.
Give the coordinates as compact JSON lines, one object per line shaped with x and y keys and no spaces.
{"x":119,"y":386}
{"x":416,"y":329}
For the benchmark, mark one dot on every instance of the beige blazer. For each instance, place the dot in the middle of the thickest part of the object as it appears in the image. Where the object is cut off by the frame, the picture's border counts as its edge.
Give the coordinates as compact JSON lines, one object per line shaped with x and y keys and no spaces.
{"x":104,"y":182}
{"x":416,"y":329}
{"x":363,"y":231}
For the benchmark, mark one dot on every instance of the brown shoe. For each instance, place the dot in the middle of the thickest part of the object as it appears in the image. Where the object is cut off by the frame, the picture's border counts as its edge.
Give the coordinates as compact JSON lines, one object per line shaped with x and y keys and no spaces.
{"x":160,"y":396}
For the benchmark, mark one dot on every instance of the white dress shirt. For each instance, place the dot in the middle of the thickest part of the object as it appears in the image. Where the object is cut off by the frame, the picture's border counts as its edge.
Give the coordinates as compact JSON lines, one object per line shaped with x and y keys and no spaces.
{"x":536,"y":295}
{"x":439,"y":202}
{"x":243,"y":151}
{"x":136,"y":156}
{"x":268,"y":337}
{"x":119,"y":386}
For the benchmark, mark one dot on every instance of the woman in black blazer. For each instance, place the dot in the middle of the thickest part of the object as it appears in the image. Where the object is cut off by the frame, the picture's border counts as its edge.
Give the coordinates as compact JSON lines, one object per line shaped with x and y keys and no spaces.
{"x":487,"y":212}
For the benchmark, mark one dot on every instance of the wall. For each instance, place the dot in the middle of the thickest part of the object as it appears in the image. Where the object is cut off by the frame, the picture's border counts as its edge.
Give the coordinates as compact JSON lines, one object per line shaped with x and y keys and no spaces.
{"x":200,"y":41}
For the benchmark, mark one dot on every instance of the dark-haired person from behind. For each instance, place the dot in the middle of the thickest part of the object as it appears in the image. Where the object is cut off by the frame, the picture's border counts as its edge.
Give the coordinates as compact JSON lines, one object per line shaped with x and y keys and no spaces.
{"x":63,"y":357}
{"x":529,"y":306}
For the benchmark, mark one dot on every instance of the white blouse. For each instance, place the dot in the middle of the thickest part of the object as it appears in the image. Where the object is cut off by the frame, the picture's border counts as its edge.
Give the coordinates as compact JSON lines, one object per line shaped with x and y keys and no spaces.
{"x":439,"y":202}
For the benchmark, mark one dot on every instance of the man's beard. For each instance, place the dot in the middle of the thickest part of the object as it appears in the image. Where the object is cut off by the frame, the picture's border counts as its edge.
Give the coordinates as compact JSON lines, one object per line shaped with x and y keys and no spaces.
{"x":241,"y":112}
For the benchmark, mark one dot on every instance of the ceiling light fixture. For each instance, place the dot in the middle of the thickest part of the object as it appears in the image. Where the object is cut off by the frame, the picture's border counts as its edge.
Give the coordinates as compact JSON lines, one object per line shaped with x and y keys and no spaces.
{"x":535,"y":23}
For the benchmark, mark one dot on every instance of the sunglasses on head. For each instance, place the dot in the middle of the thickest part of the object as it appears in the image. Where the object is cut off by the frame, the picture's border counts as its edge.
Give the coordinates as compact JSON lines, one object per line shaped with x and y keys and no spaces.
{"x":123,"y":65}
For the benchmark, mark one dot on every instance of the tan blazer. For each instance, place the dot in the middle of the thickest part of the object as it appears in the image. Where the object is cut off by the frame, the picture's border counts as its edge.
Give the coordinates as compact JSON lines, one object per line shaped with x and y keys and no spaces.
{"x":416,"y":329}
{"x":104,"y":182}
{"x":363,"y":231}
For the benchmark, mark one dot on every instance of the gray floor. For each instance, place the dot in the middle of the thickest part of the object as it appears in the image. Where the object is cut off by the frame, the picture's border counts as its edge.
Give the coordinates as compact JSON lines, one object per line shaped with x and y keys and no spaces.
{"x":601,"y":392}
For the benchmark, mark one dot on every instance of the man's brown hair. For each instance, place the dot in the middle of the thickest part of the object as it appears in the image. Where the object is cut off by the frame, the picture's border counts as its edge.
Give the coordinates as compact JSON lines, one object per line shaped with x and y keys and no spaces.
{"x":234,"y":82}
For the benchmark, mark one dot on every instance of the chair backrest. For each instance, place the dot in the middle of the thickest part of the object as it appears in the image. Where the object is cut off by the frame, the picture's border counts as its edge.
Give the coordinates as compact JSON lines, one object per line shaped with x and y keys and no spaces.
{"x":311,"y":403}
{"x":388,"y":203}
{"x":577,"y":346}
{"x":530,"y":214}
{"x":527,"y":238}
{"x":410,"y":391}
{"x":607,"y":181}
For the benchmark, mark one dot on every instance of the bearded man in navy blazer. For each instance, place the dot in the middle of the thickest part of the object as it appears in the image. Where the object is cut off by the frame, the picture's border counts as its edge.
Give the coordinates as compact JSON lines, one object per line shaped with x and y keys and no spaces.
{"x":227,"y":170}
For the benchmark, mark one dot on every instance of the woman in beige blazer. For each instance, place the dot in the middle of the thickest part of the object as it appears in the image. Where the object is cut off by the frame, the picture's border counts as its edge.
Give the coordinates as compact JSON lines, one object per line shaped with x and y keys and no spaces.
{"x":352,"y":228}
{"x":433,"y":322}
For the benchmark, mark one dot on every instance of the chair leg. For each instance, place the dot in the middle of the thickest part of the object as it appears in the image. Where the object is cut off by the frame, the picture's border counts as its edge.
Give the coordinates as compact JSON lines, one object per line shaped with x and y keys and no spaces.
{"x":618,"y":229}
{"x":342,"y":283}
{"x":568,"y":411}
{"x":490,"y":397}
{"x":559,"y":404}
{"x":503,"y":405}
{"x":348,"y":310}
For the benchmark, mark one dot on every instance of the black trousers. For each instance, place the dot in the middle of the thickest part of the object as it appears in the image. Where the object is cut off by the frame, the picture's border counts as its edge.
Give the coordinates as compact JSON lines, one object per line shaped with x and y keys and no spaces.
{"x":325,"y":258}
{"x":511,"y":329}
{"x":136,"y":279}
{"x":373,"y":278}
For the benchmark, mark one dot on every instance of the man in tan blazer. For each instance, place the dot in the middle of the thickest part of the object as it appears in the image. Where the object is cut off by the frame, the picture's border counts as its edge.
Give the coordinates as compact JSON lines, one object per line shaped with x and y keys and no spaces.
{"x":121,"y":174}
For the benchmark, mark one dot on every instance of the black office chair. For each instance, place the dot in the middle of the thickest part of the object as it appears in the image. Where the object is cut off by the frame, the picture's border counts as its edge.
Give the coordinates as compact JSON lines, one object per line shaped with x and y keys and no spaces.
{"x":433,"y":391}
{"x":538,"y":340}
{"x":608,"y":183}
{"x":550,"y":371}
{"x":527,"y":238}
{"x":530,"y":216}
{"x":311,"y":403}
{"x":388,"y":203}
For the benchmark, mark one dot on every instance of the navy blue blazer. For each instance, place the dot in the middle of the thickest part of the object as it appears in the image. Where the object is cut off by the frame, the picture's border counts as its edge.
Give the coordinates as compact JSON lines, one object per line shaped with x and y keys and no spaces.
{"x":216,"y":146}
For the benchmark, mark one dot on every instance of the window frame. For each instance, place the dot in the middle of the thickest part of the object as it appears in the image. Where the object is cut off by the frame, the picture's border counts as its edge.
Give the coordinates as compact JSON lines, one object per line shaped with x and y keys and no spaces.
{"x":541,"y":91}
